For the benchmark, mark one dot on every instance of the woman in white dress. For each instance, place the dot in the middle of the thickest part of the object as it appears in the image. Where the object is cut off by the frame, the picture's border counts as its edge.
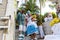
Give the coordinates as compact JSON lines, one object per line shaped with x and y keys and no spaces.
{"x":55,"y":23}
{"x":56,"y":27}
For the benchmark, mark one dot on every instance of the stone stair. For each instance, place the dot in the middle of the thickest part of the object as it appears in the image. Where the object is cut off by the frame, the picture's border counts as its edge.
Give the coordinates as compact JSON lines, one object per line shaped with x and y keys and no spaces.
{"x":46,"y":28}
{"x":26,"y":37}
{"x":1,"y":34}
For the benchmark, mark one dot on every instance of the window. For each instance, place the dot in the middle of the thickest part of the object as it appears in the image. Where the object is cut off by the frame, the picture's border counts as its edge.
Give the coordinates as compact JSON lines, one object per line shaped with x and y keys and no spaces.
{"x":0,"y":1}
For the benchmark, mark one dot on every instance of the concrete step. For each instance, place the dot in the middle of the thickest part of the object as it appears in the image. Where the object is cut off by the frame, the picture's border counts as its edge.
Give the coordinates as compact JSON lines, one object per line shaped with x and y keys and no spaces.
{"x":26,"y":37}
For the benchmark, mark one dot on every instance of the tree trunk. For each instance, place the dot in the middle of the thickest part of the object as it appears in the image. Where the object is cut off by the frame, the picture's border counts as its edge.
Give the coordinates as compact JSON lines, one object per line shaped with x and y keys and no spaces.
{"x":25,"y":1}
{"x":40,"y":6}
{"x":40,"y":10}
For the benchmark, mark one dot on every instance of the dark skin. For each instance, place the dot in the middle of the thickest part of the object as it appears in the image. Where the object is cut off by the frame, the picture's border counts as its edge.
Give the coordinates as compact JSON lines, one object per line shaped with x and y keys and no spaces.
{"x":32,"y":36}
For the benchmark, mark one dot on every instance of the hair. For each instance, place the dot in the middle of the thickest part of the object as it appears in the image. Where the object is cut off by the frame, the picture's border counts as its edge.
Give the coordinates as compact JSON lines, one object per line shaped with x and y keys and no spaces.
{"x":18,"y":11}
{"x":39,"y":23}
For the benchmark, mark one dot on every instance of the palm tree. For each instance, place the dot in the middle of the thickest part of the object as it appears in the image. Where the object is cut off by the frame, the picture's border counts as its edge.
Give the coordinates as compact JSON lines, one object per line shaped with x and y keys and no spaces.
{"x":31,"y":6}
{"x":25,"y":1}
{"x":42,"y":3}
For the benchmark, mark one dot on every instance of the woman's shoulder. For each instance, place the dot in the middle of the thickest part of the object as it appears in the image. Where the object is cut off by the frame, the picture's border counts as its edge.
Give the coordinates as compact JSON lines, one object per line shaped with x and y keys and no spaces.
{"x":58,"y":24}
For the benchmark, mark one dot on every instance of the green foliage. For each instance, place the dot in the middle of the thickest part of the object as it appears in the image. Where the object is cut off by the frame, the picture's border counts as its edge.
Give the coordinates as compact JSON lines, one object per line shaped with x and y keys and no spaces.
{"x":54,"y":15}
{"x":31,"y":6}
{"x":52,"y":6}
{"x":42,"y":2}
{"x":46,"y":14}
{"x":40,"y":19}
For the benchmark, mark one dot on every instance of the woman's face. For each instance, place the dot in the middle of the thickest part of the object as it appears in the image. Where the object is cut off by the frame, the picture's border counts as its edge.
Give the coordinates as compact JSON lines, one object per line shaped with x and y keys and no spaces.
{"x":34,"y":20}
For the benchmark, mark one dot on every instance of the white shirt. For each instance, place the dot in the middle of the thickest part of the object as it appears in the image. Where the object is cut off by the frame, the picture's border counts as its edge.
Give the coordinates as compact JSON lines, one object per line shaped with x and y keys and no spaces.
{"x":56,"y":29}
{"x":29,"y":19}
{"x":30,"y":23}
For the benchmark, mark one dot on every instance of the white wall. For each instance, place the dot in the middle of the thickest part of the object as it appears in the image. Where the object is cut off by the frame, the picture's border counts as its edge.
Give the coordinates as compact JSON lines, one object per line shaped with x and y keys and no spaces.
{"x":10,"y":11}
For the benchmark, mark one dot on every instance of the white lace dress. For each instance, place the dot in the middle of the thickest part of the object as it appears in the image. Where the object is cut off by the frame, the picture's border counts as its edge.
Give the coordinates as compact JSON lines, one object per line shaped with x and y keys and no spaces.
{"x":56,"y":33}
{"x":56,"y":29}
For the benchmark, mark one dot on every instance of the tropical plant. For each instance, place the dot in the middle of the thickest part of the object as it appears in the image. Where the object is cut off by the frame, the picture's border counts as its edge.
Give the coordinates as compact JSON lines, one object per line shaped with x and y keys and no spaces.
{"x":40,"y":20}
{"x":46,"y":14}
{"x":54,"y":14}
{"x":25,"y":1}
{"x":42,"y":3}
{"x":31,"y":6}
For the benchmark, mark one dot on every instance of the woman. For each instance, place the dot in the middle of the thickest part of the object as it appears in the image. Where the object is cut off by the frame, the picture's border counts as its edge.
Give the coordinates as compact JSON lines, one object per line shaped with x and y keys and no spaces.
{"x":55,"y":23}
{"x":32,"y":29}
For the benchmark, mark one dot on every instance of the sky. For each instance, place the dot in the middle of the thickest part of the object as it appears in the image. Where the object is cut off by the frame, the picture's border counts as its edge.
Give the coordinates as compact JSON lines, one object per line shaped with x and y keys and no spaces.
{"x":23,"y":1}
{"x":0,"y":1}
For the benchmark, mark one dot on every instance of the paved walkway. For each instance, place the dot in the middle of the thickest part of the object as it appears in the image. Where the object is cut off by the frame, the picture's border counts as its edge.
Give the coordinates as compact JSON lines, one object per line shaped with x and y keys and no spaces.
{"x":26,"y":38}
{"x":46,"y":27}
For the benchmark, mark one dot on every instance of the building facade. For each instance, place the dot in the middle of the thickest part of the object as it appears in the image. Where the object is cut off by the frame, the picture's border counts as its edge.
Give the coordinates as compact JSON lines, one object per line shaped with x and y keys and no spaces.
{"x":8,"y":9}
{"x":3,"y":5}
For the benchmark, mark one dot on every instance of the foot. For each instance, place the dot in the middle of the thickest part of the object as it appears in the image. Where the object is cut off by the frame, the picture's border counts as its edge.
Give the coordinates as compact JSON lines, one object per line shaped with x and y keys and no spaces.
{"x":41,"y":37}
{"x":35,"y":39}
